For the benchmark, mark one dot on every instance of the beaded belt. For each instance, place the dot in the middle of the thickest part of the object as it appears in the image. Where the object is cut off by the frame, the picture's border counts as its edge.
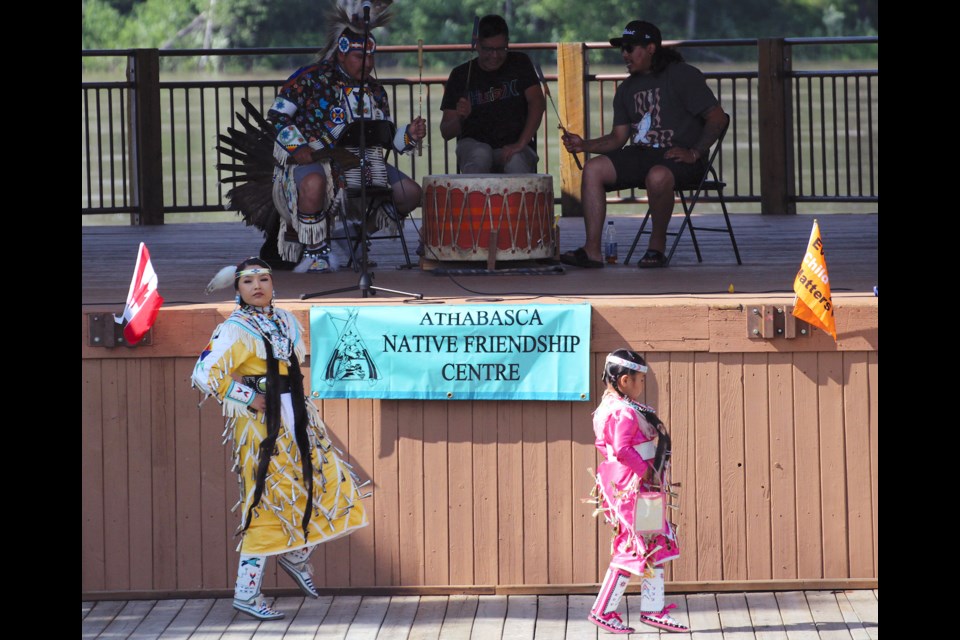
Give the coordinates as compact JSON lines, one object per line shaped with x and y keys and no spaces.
{"x":259,"y":383}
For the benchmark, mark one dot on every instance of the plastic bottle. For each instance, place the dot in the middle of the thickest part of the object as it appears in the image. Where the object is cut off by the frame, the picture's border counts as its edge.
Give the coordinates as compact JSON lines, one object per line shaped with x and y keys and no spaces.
{"x":610,"y":243}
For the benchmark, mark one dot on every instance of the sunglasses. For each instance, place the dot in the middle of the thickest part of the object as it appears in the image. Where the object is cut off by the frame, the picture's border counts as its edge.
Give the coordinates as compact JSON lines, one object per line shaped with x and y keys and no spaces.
{"x":628,"y":48}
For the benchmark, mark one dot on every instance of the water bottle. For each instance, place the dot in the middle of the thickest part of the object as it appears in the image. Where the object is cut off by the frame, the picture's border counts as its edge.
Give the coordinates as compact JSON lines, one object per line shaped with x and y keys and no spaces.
{"x":610,"y":243}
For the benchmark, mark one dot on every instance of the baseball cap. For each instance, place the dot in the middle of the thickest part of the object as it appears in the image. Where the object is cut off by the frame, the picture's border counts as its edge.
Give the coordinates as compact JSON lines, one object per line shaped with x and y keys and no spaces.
{"x":638,"y":32}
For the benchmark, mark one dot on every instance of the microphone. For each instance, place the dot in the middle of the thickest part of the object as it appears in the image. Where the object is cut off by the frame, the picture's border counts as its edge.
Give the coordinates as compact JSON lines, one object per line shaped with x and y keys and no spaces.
{"x":366,"y":10}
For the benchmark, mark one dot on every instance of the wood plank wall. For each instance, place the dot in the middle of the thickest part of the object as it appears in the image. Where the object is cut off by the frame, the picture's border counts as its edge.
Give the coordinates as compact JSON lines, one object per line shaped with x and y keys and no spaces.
{"x":777,"y":452}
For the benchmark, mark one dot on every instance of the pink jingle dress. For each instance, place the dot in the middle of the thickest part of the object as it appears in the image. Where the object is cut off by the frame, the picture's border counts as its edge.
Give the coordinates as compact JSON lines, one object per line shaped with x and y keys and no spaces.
{"x":629,"y":443}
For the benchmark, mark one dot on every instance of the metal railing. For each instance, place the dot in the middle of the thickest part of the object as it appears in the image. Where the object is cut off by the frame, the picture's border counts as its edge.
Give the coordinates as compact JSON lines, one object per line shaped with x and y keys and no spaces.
{"x":105,"y":149}
{"x":829,"y":148}
{"x":836,"y":154}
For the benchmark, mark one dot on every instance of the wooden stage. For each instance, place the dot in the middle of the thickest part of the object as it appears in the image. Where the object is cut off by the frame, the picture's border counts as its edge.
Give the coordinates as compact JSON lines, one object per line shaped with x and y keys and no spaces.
{"x":790,"y":615}
{"x":187,"y":256}
{"x":776,"y":440}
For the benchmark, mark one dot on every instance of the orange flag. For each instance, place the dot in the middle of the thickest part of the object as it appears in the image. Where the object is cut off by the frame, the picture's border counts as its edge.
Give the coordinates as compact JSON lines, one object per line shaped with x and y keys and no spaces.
{"x":813,"y":303}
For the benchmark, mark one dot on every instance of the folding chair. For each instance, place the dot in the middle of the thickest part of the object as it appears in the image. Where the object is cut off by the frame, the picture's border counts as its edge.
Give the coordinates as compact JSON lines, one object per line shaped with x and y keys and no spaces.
{"x":378,"y":136}
{"x":710,"y":181}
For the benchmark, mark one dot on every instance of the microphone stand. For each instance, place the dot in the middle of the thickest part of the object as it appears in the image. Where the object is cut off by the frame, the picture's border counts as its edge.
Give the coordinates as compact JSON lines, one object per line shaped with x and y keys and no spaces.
{"x":365,"y":283}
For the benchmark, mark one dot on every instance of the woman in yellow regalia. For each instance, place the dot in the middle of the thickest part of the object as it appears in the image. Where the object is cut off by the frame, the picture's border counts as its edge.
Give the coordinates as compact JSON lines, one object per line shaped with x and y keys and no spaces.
{"x":295,"y":490}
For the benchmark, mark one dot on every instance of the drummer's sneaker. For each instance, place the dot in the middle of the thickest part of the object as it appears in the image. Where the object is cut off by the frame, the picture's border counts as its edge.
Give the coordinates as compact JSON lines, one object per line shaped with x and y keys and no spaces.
{"x":257,"y":608}
{"x":611,"y":622}
{"x":662,"y":620}
{"x":318,"y":259}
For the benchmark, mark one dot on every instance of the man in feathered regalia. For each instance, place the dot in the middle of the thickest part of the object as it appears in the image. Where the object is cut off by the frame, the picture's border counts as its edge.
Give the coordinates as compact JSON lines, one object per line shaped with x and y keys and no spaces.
{"x":307,"y":119}
{"x":310,"y":113}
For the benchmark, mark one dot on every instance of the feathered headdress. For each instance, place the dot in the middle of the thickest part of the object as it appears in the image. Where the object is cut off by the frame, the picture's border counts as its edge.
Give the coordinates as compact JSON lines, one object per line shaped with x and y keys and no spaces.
{"x":343,"y":15}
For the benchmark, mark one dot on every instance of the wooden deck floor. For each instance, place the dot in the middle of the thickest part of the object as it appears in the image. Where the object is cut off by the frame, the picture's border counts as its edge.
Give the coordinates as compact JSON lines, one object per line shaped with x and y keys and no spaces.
{"x":792,"y":615}
{"x":186,"y":256}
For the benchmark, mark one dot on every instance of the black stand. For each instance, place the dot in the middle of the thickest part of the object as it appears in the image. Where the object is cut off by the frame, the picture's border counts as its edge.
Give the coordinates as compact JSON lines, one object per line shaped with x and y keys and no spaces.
{"x":365,"y":283}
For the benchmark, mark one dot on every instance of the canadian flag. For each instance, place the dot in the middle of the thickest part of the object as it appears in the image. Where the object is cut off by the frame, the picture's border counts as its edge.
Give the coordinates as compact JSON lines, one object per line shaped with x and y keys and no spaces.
{"x":143,"y":300}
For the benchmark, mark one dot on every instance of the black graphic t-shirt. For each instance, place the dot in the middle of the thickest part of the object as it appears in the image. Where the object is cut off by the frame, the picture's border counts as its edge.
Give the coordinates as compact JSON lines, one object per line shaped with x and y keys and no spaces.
{"x":497,"y":100}
{"x":666,"y":109}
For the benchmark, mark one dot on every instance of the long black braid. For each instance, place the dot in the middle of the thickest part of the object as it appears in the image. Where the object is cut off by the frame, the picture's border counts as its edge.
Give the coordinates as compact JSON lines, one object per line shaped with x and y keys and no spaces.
{"x":300,"y":422}
{"x":268,"y":444}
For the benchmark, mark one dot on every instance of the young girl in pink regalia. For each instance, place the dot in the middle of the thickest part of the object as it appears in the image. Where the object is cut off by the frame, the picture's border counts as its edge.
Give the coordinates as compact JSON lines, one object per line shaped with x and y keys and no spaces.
{"x":633,"y":475}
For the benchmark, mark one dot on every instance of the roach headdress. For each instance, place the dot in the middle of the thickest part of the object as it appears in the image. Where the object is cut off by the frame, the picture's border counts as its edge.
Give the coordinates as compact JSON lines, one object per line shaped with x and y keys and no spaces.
{"x":344,"y":20}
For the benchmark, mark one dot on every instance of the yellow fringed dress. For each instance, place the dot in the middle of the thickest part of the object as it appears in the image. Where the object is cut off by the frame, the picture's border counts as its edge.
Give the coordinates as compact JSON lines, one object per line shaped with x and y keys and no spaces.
{"x":237,"y":349}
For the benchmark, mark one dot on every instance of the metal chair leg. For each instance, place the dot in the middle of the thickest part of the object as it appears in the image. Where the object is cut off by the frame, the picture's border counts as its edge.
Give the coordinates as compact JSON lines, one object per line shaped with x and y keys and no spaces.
{"x":726,"y":217}
{"x":688,"y":221}
{"x":636,"y":238}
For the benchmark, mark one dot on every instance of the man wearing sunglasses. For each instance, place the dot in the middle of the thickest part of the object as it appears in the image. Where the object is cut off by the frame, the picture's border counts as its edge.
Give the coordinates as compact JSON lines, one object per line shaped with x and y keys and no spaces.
{"x":493,"y":106}
{"x":670,"y":116}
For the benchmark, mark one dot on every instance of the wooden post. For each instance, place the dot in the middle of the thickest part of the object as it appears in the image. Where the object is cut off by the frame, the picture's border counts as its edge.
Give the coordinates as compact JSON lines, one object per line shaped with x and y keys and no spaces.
{"x":146,"y":159}
{"x":775,"y":91}
{"x":572,"y":89}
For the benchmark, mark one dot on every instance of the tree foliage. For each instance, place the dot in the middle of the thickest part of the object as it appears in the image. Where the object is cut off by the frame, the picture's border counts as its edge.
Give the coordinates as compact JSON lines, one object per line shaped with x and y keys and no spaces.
{"x":259,"y":23}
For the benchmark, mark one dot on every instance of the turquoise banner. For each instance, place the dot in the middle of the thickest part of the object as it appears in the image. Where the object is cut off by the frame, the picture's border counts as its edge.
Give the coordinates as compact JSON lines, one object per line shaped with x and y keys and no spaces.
{"x":463,"y":352}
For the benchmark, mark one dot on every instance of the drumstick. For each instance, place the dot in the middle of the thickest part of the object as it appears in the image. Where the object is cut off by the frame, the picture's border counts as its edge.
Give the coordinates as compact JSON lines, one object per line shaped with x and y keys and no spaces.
{"x":420,"y":64}
{"x":473,"y":47}
{"x":546,"y":89}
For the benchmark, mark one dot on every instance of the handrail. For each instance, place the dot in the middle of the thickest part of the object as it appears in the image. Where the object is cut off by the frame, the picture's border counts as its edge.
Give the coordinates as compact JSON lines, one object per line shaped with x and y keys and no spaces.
{"x":824,"y":135}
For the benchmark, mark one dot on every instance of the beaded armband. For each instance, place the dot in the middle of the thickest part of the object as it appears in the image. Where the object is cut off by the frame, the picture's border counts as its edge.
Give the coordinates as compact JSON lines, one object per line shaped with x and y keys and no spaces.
{"x":240,"y":393}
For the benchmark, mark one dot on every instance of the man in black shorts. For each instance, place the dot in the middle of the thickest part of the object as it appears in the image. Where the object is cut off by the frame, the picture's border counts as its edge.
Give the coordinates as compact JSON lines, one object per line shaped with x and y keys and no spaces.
{"x":493,"y":106}
{"x":672,"y":118}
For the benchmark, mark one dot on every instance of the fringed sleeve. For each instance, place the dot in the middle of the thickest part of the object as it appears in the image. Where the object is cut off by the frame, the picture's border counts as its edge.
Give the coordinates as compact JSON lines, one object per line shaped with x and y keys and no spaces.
{"x":299,"y":348}
{"x":282,"y":114}
{"x":229,"y":347}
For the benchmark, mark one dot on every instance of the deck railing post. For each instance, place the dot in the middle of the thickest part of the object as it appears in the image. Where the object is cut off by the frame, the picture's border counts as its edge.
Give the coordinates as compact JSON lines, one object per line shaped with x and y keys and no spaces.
{"x":572,"y":88}
{"x":777,"y":185}
{"x":146,"y":155}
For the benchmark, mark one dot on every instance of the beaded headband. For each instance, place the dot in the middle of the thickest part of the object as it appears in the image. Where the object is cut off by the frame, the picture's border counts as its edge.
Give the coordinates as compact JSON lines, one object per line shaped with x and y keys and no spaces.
{"x":612,"y":359}
{"x":348,"y":43}
{"x":253,"y":272}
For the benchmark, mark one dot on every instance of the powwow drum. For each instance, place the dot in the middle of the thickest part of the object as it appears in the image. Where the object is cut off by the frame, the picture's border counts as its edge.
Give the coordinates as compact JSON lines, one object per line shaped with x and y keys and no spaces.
{"x":461,"y":211}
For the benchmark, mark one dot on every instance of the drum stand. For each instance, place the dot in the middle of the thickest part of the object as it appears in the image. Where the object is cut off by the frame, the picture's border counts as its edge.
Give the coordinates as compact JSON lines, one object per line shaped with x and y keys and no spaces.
{"x":365,"y":283}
